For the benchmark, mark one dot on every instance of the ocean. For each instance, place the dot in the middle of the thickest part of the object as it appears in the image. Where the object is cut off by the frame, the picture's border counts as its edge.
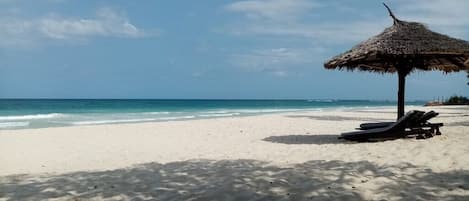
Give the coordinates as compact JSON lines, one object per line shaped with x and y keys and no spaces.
{"x":42,"y":113}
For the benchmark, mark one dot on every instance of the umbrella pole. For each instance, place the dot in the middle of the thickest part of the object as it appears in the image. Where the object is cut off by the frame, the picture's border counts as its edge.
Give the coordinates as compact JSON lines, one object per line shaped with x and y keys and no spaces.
{"x":401,"y":94}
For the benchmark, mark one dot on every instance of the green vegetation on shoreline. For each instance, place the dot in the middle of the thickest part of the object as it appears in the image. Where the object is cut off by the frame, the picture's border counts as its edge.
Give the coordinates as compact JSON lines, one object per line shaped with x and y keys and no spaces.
{"x":457,"y":100}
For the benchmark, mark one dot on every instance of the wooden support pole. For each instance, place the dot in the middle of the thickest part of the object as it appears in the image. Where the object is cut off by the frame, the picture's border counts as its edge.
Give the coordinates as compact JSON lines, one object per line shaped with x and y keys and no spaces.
{"x":401,"y":94}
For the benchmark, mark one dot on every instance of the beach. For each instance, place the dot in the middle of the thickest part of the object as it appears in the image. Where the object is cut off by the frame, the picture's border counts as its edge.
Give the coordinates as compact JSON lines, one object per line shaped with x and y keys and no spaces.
{"x":278,"y":156}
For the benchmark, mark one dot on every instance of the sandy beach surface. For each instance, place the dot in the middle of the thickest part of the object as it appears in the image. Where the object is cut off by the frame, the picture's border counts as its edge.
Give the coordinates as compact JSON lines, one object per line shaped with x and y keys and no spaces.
{"x":282,"y":156}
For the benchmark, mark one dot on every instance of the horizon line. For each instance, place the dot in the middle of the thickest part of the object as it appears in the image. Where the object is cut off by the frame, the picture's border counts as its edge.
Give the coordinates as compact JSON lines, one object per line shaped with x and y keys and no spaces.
{"x":215,"y":99}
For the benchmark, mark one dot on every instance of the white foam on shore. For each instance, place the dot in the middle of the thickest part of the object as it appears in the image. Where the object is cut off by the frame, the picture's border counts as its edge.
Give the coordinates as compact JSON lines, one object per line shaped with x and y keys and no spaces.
{"x":155,"y":113}
{"x":177,"y":118}
{"x":219,"y":114}
{"x":61,"y":119}
{"x":114,"y":121}
{"x":33,"y":116}
{"x":14,"y":124}
{"x":111,"y":121}
{"x":251,"y":111}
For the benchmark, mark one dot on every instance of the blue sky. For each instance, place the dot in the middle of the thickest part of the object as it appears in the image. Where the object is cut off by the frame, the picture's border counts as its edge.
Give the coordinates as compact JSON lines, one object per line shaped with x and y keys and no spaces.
{"x":209,"y":49}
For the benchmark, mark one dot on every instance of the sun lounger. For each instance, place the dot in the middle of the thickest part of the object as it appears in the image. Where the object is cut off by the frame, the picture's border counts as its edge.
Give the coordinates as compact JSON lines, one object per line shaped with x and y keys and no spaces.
{"x":418,"y":123}
{"x":392,"y":131}
{"x":366,"y":126}
{"x":419,"y":126}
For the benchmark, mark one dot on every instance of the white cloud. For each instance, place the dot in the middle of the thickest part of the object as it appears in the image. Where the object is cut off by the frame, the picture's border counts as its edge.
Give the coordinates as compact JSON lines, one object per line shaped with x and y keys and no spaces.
{"x":278,"y":10}
{"x":277,"y":60}
{"x":290,"y":18}
{"x":323,"y":33}
{"x":16,"y":31}
{"x":284,"y":20}
{"x":446,"y":16}
{"x":280,"y":73}
{"x":107,"y":23}
{"x":438,"y":12}
{"x":39,"y":1}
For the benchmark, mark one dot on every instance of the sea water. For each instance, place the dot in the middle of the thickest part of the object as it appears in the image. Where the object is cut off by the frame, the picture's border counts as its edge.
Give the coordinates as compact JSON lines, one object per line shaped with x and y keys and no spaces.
{"x":41,"y":113}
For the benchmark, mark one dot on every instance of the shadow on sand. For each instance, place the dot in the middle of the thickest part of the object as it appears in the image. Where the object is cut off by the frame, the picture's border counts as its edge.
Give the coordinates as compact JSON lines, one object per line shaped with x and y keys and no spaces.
{"x":461,"y":123}
{"x":307,"y":139}
{"x":243,"y":180}
{"x":338,"y":118}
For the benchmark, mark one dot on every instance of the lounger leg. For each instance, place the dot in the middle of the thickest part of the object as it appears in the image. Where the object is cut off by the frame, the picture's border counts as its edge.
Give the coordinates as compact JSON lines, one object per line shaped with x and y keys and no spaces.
{"x":428,"y":133}
{"x":420,"y":133}
{"x":437,"y":131}
{"x":420,"y":137}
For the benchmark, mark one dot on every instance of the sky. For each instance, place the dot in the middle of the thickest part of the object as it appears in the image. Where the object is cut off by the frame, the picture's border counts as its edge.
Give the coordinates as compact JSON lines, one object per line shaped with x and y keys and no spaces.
{"x":210,"y":49}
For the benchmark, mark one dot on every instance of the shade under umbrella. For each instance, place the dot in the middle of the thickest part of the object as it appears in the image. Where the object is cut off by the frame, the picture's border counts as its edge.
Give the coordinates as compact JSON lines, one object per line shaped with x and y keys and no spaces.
{"x":403,"y":48}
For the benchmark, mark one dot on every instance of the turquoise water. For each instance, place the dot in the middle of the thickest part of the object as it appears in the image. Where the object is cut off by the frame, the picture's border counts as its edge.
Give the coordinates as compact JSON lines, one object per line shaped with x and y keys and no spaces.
{"x":40,"y":113}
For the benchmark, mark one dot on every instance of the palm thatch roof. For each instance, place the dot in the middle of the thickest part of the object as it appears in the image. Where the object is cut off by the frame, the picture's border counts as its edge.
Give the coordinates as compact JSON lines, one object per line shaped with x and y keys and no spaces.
{"x":408,"y":45}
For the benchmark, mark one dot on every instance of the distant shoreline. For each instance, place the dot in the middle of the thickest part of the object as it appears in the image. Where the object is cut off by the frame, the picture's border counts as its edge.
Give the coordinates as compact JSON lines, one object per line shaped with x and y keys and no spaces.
{"x":43,"y":113}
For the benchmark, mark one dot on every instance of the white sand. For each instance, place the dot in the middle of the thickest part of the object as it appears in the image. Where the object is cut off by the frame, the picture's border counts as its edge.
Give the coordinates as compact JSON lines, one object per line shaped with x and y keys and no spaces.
{"x":288,"y":156}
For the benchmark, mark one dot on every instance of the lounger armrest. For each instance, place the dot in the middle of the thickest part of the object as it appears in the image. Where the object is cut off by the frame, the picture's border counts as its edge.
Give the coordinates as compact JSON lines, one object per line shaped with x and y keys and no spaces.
{"x":366,"y":126}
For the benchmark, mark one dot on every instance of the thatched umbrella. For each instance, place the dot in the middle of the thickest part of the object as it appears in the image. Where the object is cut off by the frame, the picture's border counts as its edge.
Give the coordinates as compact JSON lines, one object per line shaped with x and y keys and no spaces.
{"x":403,"y":48}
